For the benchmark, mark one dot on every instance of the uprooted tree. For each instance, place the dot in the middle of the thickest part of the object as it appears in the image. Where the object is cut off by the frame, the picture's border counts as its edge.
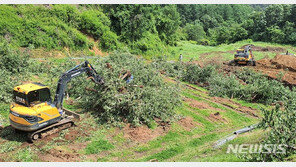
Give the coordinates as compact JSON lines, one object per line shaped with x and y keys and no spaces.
{"x":146,"y":97}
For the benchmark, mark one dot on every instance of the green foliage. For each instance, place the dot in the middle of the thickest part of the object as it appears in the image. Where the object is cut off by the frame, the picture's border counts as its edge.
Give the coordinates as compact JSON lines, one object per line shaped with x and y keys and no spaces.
{"x":257,"y":87}
{"x":194,"y":32}
{"x":41,"y":27}
{"x":138,"y":102}
{"x":167,"y":23}
{"x":12,"y":60}
{"x":13,"y":67}
{"x":109,"y":41}
{"x":281,"y":126}
{"x":229,"y":34}
{"x":195,"y":74}
{"x":225,"y":86}
{"x":97,"y":146}
{"x":150,"y":44}
{"x":263,"y":90}
{"x":97,"y":24}
{"x":170,"y":69}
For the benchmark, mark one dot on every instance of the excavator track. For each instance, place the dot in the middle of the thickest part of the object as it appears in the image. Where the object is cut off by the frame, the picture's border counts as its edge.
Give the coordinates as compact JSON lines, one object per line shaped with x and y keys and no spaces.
{"x":49,"y":130}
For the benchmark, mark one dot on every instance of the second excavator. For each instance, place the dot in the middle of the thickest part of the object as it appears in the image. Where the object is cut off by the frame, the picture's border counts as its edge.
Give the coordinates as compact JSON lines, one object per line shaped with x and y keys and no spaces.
{"x":244,"y":57}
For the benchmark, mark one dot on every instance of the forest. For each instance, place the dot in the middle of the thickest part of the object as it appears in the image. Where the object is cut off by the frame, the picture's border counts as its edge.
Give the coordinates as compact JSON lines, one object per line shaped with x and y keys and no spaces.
{"x":144,"y":29}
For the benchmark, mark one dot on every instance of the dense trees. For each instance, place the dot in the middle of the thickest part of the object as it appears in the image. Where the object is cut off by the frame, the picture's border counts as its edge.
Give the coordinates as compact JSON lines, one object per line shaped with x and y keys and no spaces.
{"x":144,"y":29}
{"x":231,"y":23}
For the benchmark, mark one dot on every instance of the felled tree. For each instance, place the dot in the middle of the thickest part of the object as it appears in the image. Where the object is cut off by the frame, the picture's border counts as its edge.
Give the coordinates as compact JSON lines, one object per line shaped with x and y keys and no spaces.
{"x":146,"y":97}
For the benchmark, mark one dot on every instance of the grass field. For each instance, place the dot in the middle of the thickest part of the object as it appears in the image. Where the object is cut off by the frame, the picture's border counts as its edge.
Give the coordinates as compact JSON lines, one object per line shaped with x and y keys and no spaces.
{"x":193,"y":51}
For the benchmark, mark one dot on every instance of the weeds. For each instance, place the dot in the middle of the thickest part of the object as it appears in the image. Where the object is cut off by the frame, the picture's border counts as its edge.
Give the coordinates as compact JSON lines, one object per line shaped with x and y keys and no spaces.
{"x":97,"y":146}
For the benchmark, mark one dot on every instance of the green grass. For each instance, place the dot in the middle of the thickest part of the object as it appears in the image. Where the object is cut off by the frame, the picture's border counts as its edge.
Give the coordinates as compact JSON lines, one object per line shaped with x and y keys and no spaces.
{"x":97,"y":146}
{"x":4,"y":113}
{"x":25,"y":155}
{"x":168,"y":153}
{"x":190,"y":50}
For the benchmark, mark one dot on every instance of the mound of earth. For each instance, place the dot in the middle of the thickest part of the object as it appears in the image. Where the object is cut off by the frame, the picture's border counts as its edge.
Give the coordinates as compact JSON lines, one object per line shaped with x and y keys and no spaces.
{"x":266,"y":49}
{"x":188,"y":123}
{"x":143,"y":133}
{"x":280,"y":65}
{"x":217,"y":117}
{"x":285,"y":62}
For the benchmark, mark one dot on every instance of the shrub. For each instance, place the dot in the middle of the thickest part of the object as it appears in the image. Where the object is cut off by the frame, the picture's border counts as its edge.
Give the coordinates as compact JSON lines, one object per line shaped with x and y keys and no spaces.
{"x":225,"y":86}
{"x":13,"y":69}
{"x":149,"y":44}
{"x":195,"y":74}
{"x":12,"y":60}
{"x":260,"y":89}
{"x":94,"y":23}
{"x":195,"y":32}
{"x":109,"y":41}
{"x":281,"y":126}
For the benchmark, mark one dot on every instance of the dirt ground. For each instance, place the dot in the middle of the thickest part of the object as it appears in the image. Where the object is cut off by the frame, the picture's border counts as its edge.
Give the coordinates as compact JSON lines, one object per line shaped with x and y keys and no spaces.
{"x":281,"y":65}
{"x":284,"y":65}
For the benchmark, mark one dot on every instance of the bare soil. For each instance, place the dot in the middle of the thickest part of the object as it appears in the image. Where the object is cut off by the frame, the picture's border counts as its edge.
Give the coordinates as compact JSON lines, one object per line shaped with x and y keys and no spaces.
{"x":216,"y":117}
{"x":235,"y":106}
{"x":266,"y":49}
{"x":59,"y":155}
{"x":201,"y":105}
{"x":188,"y":123}
{"x":284,"y":65}
{"x":143,"y":133}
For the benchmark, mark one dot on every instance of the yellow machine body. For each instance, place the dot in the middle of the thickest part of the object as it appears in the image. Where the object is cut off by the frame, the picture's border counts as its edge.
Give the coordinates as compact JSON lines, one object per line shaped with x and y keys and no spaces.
{"x":242,"y":60}
{"x":32,"y":108}
{"x":244,"y":57}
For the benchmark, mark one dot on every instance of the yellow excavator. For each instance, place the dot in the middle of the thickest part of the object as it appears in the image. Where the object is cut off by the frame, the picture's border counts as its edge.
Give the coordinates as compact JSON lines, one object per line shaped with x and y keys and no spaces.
{"x":244,"y":57}
{"x":34,"y":112}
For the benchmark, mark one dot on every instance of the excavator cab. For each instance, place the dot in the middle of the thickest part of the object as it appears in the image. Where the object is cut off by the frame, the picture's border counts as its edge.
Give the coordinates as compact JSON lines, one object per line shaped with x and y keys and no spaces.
{"x":32,"y":108}
{"x":34,"y":97}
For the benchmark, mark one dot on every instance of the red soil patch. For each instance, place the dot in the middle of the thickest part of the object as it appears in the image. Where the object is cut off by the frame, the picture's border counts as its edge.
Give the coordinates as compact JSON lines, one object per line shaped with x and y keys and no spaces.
{"x":235,"y":106}
{"x":266,"y":49}
{"x":77,"y":146}
{"x":56,"y":155}
{"x":143,"y":133}
{"x":188,"y":123}
{"x":201,"y":105}
{"x":216,"y":117}
{"x":285,"y":64}
{"x":75,"y":132}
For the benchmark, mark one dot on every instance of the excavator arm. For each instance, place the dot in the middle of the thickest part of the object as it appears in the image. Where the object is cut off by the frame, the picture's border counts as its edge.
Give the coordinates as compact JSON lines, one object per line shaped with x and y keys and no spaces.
{"x":72,"y":73}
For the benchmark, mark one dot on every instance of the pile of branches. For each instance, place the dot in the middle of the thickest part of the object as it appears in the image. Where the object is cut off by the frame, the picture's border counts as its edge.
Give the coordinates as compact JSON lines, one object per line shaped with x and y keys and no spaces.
{"x":146,"y":97}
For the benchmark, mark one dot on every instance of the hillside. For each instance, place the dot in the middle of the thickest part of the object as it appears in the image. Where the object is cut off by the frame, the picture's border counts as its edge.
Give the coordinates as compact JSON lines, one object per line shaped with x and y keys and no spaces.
{"x":152,"y":105}
{"x":147,"y":30}
{"x":201,"y":121}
